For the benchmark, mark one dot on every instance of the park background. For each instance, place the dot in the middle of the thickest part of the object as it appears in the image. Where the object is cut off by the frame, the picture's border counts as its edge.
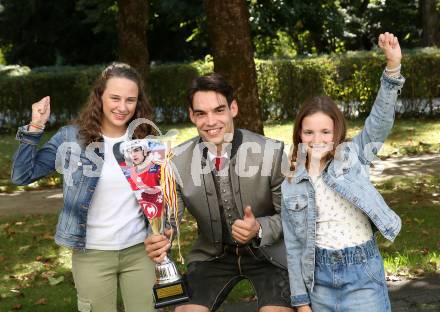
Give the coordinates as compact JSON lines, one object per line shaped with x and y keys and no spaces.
{"x":276,"y":53}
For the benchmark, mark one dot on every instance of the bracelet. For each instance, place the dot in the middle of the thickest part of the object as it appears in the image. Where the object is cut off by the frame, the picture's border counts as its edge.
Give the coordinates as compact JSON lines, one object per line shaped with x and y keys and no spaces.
{"x":36,"y":125}
{"x":393,"y":70}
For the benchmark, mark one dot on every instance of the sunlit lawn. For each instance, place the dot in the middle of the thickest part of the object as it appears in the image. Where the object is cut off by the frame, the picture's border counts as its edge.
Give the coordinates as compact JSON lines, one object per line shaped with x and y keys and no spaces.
{"x":408,"y":137}
{"x":30,"y":261}
{"x":417,"y":248}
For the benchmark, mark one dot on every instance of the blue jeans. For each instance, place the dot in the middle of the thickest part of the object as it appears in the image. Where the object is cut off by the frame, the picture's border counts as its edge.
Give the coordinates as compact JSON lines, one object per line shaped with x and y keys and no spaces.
{"x":350,"y":280}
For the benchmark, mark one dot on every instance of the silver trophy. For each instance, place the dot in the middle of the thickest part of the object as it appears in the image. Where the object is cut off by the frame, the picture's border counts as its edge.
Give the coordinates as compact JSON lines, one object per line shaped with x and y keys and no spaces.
{"x":169,"y":288}
{"x":145,"y":164}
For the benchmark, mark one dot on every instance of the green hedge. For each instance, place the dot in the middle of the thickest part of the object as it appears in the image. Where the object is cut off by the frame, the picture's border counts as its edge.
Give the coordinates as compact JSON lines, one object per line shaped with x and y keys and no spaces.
{"x":168,"y":91}
{"x":70,"y":86}
{"x":68,"y":89}
{"x":358,"y":73}
{"x":349,"y":78}
{"x":283,"y":85}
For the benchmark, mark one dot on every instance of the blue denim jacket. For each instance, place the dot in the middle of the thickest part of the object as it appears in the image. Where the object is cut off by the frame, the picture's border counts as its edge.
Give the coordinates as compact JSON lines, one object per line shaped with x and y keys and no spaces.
{"x":80,"y":167}
{"x":347,"y":174}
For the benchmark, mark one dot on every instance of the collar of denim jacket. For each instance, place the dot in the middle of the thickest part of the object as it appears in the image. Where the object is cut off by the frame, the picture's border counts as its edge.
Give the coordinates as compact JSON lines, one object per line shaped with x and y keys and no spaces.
{"x":301,"y":172}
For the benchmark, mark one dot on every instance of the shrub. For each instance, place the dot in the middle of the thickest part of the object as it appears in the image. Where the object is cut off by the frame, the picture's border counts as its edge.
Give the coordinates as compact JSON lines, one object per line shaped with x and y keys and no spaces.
{"x":352,"y":79}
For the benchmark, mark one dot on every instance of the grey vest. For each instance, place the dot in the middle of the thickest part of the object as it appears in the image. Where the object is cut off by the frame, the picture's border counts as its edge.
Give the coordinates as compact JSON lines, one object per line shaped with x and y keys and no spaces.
{"x":228,"y":208}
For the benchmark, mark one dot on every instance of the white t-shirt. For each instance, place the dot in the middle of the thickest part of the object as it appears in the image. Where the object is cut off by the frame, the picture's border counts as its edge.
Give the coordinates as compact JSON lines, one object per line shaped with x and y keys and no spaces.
{"x":115,"y":220}
{"x":339,"y":224}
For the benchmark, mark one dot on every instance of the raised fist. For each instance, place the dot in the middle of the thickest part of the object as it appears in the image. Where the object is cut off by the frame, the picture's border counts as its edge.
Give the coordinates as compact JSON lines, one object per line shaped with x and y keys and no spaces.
{"x":391,"y":48}
{"x":41,"y":111}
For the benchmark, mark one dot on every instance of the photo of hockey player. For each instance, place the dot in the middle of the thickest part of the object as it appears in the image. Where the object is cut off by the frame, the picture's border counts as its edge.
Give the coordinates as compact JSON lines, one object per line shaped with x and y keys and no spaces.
{"x":141,"y":163}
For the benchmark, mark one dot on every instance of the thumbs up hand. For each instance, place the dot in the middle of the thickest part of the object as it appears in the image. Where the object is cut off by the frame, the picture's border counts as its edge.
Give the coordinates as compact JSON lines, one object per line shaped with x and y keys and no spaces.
{"x":245,"y":230}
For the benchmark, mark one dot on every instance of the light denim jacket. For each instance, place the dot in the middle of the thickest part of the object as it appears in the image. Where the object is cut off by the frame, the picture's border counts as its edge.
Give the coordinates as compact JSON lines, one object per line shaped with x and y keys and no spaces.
{"x":347,"y":175}
{"x":79,"y":182}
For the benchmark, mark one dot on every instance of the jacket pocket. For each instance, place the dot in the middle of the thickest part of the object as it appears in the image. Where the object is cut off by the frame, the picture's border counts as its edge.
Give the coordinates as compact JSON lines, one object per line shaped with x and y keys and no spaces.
{"x":296,"y":203}
{"x":297,"y":212}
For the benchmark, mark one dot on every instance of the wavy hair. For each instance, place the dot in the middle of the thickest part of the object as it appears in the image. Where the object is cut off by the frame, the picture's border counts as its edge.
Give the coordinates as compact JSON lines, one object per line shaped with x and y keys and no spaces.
{"x":90,"y":117}
{"x":319,"y":104}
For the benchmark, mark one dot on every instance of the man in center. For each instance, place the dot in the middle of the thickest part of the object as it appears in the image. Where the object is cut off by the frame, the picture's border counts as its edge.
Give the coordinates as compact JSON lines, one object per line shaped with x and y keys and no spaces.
{"x":230,"y":181}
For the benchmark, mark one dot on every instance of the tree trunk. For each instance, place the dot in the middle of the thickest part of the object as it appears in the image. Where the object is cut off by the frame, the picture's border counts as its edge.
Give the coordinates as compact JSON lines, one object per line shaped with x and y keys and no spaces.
{"x":229,"y":30}
{"x":430,"y":20}
{"x":132,"y":36}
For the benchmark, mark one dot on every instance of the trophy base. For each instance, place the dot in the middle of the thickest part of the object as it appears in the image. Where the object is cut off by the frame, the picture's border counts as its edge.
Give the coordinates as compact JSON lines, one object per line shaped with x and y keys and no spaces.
{"x":170,"y":294}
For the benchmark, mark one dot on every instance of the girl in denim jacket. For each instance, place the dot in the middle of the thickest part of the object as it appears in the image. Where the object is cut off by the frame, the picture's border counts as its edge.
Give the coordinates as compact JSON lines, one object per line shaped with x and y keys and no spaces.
{"x":329,"y":207}
{"x":101,"y":220}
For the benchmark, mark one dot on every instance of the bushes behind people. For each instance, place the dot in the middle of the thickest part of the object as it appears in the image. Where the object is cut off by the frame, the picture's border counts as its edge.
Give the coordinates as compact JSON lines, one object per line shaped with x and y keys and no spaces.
{"x":351,"y":79}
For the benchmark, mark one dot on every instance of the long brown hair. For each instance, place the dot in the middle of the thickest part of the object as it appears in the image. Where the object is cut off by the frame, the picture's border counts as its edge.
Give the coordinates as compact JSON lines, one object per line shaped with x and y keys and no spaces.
{"x":316,"y":104}
{"x":90,"y":118}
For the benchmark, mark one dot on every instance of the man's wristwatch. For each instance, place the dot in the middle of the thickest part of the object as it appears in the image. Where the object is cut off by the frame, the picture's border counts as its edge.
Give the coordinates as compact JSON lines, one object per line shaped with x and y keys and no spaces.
{"x":259,"y":235}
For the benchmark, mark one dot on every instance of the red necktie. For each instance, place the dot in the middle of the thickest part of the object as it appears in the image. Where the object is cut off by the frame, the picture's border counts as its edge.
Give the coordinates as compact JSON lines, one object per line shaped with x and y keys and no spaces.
{"x":217,"y":163}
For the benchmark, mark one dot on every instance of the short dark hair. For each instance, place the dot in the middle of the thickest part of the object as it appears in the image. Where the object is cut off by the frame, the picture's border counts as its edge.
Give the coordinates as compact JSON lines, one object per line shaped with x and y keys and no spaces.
{"x":211,"y":82}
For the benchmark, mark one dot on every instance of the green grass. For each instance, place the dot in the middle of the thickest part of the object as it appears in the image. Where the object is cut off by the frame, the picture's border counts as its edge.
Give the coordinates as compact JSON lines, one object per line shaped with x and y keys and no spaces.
{"x":417,"y":248}
{"x":408,"y":136}
{"x":30,"y":260}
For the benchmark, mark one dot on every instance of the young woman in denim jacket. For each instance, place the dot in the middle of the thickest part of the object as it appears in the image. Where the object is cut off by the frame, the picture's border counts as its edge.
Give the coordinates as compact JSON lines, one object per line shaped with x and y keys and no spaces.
{"x":329,"y":207}
{"x":101,"y":219}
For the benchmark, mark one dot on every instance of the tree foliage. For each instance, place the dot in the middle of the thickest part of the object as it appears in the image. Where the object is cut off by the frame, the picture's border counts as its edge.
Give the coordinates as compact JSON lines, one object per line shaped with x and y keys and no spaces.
{"x":40,"y":32}
{"x":48,"y":32}
{"x":178,"y":30}
{"x":319,"y":26}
